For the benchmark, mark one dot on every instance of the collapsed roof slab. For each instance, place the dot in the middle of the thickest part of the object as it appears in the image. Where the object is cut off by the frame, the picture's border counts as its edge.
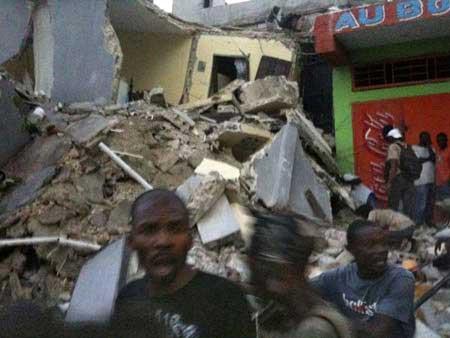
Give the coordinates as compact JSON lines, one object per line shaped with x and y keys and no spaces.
{"x":14,"y":25}
{"x":142,"y":16}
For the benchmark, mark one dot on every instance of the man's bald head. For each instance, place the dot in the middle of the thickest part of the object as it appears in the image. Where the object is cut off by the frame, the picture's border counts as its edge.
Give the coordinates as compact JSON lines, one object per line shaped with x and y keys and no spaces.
{"x":164,"y":201}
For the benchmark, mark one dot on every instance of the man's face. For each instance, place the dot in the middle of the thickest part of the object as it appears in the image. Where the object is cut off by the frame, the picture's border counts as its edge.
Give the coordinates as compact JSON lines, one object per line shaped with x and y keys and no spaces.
{"x":371,"y":251}
{"x":161,"y":238}
{"x":442,"y":141}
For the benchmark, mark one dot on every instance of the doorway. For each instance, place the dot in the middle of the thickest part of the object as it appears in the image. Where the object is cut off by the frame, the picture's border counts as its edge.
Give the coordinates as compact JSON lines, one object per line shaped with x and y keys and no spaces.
{"x":226,"y":69}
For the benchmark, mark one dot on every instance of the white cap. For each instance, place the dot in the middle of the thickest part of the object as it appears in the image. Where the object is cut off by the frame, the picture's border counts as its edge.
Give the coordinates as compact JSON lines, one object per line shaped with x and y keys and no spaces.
{"x":395,"y":133}
{"x":350,"y":177}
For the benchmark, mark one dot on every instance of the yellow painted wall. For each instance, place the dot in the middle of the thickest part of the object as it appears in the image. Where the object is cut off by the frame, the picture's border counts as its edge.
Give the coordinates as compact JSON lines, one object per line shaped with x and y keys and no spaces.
{"x":210,"y":45}
{"x":154,"y":60}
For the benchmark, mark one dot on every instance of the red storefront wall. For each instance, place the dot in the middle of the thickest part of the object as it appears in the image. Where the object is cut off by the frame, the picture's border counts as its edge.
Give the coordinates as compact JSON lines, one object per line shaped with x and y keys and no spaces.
{"x":421,"y":113}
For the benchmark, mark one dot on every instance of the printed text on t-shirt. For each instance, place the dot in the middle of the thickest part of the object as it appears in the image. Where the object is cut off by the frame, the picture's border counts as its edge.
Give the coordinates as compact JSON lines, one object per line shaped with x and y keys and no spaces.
{"x":359,"y":306}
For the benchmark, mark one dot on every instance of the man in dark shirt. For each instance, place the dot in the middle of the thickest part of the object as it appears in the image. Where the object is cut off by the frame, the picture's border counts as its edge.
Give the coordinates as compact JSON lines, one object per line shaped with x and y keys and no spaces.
{"x":179,"y":300}
{"x":376,"y":296}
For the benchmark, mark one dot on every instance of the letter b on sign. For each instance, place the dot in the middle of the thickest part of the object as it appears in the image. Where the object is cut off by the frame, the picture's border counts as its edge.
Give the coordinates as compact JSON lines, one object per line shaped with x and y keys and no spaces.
{"x":409,"y":9}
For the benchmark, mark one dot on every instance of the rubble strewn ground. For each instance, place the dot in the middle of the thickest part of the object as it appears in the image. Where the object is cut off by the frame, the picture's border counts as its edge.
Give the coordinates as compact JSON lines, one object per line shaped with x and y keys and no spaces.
{"x":216,"y":156}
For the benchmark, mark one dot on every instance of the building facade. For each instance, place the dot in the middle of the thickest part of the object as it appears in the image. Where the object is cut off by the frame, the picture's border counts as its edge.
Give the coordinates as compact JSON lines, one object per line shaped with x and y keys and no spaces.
{"x":391,"y":65}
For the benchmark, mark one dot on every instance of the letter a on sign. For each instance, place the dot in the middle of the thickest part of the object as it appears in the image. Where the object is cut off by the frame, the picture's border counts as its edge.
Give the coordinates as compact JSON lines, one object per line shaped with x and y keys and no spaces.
{"x":375,"y":20}
{"x":409,"y":9}
{"x":346,"y":20}
{"x":439,"y":7}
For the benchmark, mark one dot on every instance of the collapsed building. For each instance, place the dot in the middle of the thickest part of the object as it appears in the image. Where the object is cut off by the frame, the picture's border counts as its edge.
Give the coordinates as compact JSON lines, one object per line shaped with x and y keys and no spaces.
{"x":113,"y":58}
{"x":219,"y":112}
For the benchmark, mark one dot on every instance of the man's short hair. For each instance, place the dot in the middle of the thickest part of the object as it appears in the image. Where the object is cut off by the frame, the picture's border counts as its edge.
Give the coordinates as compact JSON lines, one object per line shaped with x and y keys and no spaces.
{"x":355,"y":228}
{"x":159,"y":199}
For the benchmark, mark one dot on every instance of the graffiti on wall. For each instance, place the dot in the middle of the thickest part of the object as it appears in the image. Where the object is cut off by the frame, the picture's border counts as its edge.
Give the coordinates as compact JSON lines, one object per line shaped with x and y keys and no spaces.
{"x":374,"y":143}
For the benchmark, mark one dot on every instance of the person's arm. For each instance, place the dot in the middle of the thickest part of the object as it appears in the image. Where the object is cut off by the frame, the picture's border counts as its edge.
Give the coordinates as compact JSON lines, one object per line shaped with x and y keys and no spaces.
{"x":239,"y":323}
{"x":380,"y":326}
{"x":393,"y":169}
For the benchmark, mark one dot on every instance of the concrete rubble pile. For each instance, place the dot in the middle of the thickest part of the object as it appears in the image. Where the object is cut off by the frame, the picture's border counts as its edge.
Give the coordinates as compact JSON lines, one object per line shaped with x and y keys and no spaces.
{"x":64,"y":199}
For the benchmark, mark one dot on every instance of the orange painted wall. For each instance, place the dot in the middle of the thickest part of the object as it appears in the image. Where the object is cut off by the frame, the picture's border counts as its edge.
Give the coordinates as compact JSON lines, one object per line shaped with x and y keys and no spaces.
{"x":421,"y":113}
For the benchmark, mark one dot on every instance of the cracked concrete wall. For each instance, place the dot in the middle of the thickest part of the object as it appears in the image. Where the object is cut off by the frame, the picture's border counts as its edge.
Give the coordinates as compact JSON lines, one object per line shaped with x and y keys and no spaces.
{"x":14,"y":27}
{"x":78,"y":52}
{"x":252,"y":11}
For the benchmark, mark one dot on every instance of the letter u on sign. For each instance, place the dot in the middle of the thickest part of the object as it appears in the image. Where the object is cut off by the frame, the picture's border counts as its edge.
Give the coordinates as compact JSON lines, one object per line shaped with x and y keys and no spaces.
{"x":377,"y":18}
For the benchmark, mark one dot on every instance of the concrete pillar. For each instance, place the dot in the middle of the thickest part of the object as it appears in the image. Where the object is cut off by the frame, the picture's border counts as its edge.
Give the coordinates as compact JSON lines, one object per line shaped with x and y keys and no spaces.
{"x":43,"y":49}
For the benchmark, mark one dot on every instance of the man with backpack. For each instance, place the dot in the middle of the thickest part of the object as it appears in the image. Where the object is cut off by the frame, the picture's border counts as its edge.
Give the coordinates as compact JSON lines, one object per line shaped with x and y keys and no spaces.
{"x":404,"y":169}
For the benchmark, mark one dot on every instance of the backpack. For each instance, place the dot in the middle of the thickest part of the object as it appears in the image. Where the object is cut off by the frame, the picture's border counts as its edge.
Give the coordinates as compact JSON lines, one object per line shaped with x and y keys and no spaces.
{"x":410,"y":164}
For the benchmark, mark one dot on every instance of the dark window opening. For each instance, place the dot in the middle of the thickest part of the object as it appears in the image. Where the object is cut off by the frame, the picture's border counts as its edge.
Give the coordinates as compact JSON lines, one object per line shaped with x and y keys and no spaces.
{"x":273,"y":67}
{"x":227,"y":69}
{"x":316,"y":89}
{"x":207,"y":3}
{"x":424,"y":69}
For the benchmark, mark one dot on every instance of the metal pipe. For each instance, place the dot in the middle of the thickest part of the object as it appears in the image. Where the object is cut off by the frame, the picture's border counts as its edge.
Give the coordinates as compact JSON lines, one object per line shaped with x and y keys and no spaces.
{"x":430,"y":293}
{"x":121,"y":163}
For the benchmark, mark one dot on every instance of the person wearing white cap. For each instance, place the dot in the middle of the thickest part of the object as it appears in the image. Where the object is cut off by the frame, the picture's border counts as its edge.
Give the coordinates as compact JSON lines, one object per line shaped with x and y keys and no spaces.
{"x":400,"y":183}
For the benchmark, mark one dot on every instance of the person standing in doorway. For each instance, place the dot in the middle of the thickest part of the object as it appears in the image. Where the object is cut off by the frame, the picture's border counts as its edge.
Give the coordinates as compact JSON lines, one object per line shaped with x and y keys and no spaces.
{"x":425,"y":185}
{"x":400,"y":183}
{"x":442,"y":168}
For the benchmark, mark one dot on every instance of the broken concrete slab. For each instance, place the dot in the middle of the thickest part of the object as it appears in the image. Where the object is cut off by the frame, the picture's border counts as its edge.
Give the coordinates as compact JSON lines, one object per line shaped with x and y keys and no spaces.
{"x":41,"y":153}
{"x":156,"y":97}
{"x":314,"y":140}
{"x":219,"y":223}
{"x":215,"y":99}
{"x":208,"y":192}
{"x":54,"y":215}
{"x":27,"y":191}
{"x":423,"y":331}
{"x":108,"y":269}
{"x":243,"y":139}
{"x":166,"y":159}
{"x":209,"y":166}
{"x":269,"y":95}
{"x":91,"y":186}
{"x":333,"y":185}
{"x":13,"y":137}
{"x":200,"y":193}
{"x":85,"y":130}
{"x":285,"y":178}
{"x":120,"y":215}
{"x":227,"y":109}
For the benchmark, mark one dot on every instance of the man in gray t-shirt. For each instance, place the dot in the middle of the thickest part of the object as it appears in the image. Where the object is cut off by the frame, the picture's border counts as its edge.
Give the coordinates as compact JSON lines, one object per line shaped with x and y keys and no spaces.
{"x":378,"y":298}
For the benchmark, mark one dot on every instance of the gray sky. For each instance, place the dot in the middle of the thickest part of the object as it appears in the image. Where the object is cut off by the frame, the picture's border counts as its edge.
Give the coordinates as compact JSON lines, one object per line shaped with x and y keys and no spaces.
{"x":164,"y":4}
{"x":167,"y":4}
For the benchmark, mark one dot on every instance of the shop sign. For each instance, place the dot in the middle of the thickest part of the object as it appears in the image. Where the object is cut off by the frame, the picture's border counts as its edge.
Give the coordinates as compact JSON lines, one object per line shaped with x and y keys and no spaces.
{"x":405,"y":10}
